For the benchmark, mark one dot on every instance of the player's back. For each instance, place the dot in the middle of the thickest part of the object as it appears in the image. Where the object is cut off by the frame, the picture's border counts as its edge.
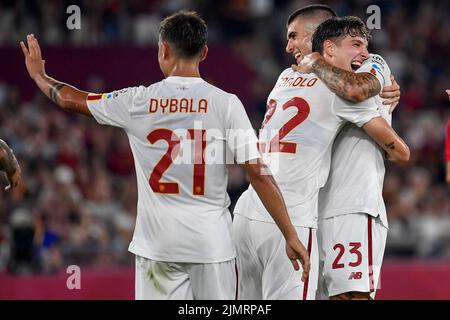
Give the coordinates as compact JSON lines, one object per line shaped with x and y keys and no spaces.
{"x":178,"y":131}
{"x":301,"y":122}
{"x":178,"y":121}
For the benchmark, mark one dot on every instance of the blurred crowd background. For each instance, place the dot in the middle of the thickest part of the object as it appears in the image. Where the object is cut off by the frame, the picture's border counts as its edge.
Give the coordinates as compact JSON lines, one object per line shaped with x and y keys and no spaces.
{"x":77,"y":203}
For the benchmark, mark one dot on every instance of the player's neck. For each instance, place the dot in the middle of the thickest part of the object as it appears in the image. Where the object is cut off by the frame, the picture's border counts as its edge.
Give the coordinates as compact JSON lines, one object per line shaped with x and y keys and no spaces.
{"x":185,"y":69}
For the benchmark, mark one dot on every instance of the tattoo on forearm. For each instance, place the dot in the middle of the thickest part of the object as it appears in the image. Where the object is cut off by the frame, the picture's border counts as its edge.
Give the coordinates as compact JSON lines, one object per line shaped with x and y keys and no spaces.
{"x":342,"y":82}
{"x":54,"y":89}
{"x":9,"y":162}
{"x":390,"y":145}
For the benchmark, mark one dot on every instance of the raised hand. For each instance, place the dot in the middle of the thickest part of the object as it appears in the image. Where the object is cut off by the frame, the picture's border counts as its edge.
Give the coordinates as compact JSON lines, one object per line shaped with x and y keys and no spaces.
{"x":33,"y":57}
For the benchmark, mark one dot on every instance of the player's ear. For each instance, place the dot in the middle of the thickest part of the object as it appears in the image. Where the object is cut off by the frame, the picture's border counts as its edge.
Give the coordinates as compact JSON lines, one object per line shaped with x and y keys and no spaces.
{"x":328,"y":48}
{"x":204,"y":53}
{"x":164,"y":49}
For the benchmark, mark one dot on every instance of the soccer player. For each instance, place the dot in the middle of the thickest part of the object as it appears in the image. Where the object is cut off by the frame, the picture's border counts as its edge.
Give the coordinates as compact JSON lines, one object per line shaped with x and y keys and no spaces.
{"x":351,"y":86}
{"x":182,"y":239}
{"x":9,"y":165}
{"x":301,"y":122}
{"x":352,"y":225}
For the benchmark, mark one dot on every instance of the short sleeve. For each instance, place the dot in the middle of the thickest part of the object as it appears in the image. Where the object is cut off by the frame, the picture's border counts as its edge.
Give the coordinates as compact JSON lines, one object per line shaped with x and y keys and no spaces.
{"x":112,"y":108}
{"x":241,"y":138}
{"x":378,"y":67}
{"x":357,"y":113}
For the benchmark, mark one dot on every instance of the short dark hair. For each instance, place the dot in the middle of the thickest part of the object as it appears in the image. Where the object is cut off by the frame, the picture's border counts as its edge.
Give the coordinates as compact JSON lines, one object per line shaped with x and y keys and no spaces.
{"x":186,"y":32}
{"x":335,"y":28}
{"x":310,"y":11}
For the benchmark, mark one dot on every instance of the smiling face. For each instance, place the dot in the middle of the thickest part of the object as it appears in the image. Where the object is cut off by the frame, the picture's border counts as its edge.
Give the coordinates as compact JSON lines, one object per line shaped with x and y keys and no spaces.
{"x":299,"y":34}
{"x":347,"y":53}
{"x":342,"y":42}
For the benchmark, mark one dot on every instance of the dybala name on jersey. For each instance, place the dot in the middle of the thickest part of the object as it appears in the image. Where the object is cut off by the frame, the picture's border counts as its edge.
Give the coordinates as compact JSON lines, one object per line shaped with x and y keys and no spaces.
{"x":175,"y":105}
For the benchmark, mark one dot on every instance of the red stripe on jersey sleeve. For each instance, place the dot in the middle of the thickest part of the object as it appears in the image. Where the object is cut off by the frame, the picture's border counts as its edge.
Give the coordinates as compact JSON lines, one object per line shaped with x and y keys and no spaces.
{"x":93,"y":97}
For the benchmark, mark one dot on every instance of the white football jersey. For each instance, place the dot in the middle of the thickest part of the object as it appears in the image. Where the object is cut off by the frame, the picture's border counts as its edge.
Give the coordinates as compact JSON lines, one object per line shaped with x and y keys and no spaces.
{"x":355,"y":183}
{"x":301,"y":122}
{"x":182,"y":132}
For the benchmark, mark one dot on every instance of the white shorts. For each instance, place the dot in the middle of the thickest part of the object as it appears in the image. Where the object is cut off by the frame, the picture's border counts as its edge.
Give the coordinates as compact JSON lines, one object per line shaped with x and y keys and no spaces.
{"x":264,"y":270}
{"x":158,"y":280}
{"x":351,"y":249}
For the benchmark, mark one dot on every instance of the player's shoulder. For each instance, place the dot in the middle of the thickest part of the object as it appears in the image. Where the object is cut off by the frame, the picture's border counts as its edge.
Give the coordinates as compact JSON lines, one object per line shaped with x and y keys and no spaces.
{"x":216,"y":90}
{"x":134,"y":89}
{"x":219,"y":95}
{"x":378,"y":62}
{"x":286,"y":72}
{"x":124,"y":93}
{"x":377,"y":58}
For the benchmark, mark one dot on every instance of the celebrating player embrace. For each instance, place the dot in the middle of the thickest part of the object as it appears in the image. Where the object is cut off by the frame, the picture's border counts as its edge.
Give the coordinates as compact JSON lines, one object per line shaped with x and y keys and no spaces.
{"x":302,"y":120}
{"x":182,"y":239}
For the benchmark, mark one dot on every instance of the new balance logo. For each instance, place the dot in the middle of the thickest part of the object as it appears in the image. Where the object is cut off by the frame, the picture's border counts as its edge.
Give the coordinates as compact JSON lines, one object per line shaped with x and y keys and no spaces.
{"x":355,"y":275}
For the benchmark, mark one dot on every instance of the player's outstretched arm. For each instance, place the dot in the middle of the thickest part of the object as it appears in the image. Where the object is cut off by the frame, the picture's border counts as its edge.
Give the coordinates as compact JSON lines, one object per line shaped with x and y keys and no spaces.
{"x":267,"y":190}
{"x":380,"y":131}
{"x":354,"y":87}
{"x":9,"y":164}
{"x":64,"y":95}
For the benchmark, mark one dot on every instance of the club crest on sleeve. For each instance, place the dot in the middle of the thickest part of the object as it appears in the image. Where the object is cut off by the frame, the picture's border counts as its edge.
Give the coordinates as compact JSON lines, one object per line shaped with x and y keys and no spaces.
{"x":379,"y":61}
{"x":377,"y":67}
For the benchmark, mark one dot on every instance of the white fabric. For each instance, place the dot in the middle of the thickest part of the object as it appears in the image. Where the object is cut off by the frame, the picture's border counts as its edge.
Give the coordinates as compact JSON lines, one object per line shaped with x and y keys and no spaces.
{"x":156,"y":280}
{"x":300,"y":174}
{"x":355,"y":182}
{"x":181,"y":226}
{"x":264,"y":270}
{"x":349,"y":235}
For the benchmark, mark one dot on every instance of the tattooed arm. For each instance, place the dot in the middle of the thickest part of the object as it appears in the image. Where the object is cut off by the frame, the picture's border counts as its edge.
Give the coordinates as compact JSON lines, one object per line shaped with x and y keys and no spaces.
{"x":386,"y":137}
{"x":9,"y":164}
{"x":64,"y":95}
{"x":354,"y":87}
